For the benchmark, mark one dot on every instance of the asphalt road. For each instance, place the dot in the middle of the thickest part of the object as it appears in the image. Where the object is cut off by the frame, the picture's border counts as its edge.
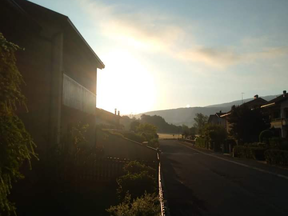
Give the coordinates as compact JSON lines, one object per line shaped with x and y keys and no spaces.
{"x":204,"y":183}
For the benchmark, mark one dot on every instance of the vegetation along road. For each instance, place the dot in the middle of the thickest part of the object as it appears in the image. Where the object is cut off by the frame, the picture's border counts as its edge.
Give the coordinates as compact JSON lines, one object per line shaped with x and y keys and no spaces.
{"x":199,"y":182}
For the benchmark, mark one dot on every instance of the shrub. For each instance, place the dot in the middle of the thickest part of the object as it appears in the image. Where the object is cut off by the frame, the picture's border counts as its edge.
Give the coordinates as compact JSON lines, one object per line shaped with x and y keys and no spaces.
{"x":136,"y":184}
{"x":146,"y":205}
{"x":278,"y":143}
{"x":154,"y":143}
{"x":200,"y":142}
{"x":265,"y":136}
{"x":249,"y":152}
{"x":135,"y":167}
{"x":138,"y":179}
{"x":278,"y":157}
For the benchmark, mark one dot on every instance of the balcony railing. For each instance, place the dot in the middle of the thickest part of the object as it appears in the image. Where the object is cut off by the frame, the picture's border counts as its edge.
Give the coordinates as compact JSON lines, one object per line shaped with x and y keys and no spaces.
{"x":279,"y":122}
{"x":77,"y":96}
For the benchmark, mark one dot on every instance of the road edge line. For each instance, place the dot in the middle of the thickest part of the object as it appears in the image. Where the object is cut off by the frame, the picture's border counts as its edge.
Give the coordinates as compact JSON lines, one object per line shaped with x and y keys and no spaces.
{"x":240,"y":164}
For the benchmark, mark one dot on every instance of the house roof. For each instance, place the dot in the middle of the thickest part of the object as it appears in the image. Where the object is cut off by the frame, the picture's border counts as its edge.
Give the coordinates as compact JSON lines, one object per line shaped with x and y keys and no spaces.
{"x":258,"y":102}
{"x":219,"y":114}
{"x":277,"y":100}
{"x":255,"y":103}
{"x":28,"y":9}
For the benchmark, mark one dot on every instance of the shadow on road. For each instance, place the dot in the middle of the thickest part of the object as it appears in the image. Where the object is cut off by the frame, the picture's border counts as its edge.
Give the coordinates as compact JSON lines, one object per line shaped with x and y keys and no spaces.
{"x":181,"y":199}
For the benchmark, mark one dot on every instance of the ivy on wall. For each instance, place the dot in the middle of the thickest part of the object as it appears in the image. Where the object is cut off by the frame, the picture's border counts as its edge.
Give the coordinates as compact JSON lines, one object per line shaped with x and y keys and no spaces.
{"x":16,"y":144}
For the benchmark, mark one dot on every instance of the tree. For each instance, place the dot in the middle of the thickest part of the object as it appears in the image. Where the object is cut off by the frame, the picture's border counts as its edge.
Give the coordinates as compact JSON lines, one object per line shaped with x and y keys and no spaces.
{"x":134,"y":124}
{"x":215,"y":135}
{"x":16,"y":144}
{"x":185,"y":131}
{"x":192,"y":132}
{"x":148,"y":131}
{"x":200,"y":121}
{"x":161,"y":124}
{"x":247,"y":124}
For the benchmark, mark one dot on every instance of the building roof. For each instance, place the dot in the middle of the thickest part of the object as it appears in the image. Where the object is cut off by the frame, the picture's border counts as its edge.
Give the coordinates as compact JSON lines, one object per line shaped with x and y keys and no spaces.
{"x":276,"y":100}
{"x":29,"y":9}
{"x":255,"y":103}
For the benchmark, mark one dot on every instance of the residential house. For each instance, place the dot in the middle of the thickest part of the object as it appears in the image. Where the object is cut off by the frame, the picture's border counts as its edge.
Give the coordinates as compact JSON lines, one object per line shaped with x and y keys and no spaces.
{"x":278,"y":112}
{"x":256,"y":103}
{"x":58,"y":66}
{"x":216,"y":119}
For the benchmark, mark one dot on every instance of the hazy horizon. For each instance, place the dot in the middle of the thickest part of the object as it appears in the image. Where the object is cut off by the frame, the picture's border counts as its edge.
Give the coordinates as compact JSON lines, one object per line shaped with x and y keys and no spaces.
{"x":171,"y":54}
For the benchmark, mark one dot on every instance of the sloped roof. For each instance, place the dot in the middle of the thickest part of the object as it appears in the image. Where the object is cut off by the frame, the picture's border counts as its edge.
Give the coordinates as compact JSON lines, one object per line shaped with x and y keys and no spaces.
{"x":276,"y":100}
{"x":28,"y":9}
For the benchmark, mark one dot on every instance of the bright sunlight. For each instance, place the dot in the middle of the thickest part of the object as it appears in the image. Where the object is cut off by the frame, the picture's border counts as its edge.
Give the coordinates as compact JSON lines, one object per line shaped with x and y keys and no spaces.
{"x":125,"y":84}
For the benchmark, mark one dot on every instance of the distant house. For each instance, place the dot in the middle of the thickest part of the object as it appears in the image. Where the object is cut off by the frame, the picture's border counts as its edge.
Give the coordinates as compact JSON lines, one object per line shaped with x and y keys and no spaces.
{"x":278,"y":112}
{"x":216,"y":119}
{"x":58,"y":66}
{"x":256,"y":103}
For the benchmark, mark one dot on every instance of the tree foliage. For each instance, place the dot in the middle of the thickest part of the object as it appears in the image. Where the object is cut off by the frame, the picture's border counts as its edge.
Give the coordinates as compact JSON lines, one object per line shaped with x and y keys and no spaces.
{"x":247,"y":124}
{"x":160,"y":123}
{"x":16,"y":144}
{"x":200,"y":122}
{"x":146,"y":205}
{"x":138,"y":179}
{"x":215,"y":135}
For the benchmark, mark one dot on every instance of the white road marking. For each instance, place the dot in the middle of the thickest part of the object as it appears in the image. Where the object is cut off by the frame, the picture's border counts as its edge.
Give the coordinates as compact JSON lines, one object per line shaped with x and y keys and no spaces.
{"x":240,"y":164}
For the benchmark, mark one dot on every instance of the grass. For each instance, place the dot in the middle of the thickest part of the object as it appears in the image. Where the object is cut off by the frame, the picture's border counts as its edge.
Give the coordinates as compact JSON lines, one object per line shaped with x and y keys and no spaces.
{"x":169,"y":136}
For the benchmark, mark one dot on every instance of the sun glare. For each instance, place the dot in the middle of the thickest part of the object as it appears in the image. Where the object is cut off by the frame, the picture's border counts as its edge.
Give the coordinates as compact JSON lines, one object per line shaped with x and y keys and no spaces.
{"x":125,"y":84}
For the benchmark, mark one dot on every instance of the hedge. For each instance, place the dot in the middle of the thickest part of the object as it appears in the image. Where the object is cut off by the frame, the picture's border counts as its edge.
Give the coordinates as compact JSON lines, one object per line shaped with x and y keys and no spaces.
{"x":277,"y":157}
{"x":200,"y":142}
{"x":249,"y":152}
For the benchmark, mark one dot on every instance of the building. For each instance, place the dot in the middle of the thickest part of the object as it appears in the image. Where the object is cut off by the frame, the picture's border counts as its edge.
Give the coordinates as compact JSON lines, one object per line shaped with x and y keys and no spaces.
{"x":256,"y":103}
{"x":58,"y":66}
{"x":216,"y":119}
{"x":277,"y":110}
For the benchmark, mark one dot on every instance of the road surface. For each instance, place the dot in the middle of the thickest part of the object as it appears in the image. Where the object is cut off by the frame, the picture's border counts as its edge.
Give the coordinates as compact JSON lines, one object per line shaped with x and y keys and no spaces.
{"x":199,"y":182}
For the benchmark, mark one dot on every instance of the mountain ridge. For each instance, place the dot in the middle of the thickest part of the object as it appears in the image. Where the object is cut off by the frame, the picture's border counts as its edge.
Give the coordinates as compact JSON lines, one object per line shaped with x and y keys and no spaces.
{"x":182,"y":115}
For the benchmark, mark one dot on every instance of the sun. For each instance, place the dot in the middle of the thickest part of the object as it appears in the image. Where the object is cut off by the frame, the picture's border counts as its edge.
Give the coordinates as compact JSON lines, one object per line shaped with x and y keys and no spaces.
{"x":125,"y":84}
{"x":187,"y":106}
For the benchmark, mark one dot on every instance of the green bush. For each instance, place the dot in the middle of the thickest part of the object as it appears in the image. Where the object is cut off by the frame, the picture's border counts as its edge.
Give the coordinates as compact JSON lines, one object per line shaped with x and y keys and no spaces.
{"x":265,"y":136}
{"x":154,"y":143}
{"x":136,"y":184}
{"x":278,"y":143}
{"x":249,"y":152}
{"x":138,"y":179}
{"x":278,"y":157}
{"x":146,"y":205}
{"x":135,"y":167}
{"x":200,"y":142}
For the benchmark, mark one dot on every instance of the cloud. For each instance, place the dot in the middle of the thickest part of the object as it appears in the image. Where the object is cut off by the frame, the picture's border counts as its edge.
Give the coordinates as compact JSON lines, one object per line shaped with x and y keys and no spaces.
{"x":211,"y":56}
{"x":157,"y":32}
{"x":222,"y":58}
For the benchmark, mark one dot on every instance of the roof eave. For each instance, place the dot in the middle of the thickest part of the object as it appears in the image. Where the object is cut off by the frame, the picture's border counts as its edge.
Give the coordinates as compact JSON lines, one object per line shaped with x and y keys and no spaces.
{"x":268,"y":105}
{"x":100,"y":63}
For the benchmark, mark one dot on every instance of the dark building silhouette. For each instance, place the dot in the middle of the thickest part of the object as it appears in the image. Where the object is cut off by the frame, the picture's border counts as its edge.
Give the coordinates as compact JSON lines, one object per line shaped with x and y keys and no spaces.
{"x":58,"y":66}
{"x":278,"y":113}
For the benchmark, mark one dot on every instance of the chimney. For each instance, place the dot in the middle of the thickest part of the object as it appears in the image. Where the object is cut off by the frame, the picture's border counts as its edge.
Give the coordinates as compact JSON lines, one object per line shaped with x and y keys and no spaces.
{"x":220,"y":112}
{"x":256,"y":96}
{"x":284,"y":93}
{"x":118,"y":113}
{"x":115,"y":111}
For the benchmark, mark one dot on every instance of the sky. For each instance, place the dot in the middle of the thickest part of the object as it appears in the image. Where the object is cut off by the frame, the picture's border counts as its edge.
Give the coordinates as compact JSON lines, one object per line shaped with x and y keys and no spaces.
{"x":168,"y":54}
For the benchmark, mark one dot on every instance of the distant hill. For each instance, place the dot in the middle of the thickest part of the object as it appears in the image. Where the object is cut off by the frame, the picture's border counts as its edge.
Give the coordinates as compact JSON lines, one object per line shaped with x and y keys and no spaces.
{"x":186,"y":116}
